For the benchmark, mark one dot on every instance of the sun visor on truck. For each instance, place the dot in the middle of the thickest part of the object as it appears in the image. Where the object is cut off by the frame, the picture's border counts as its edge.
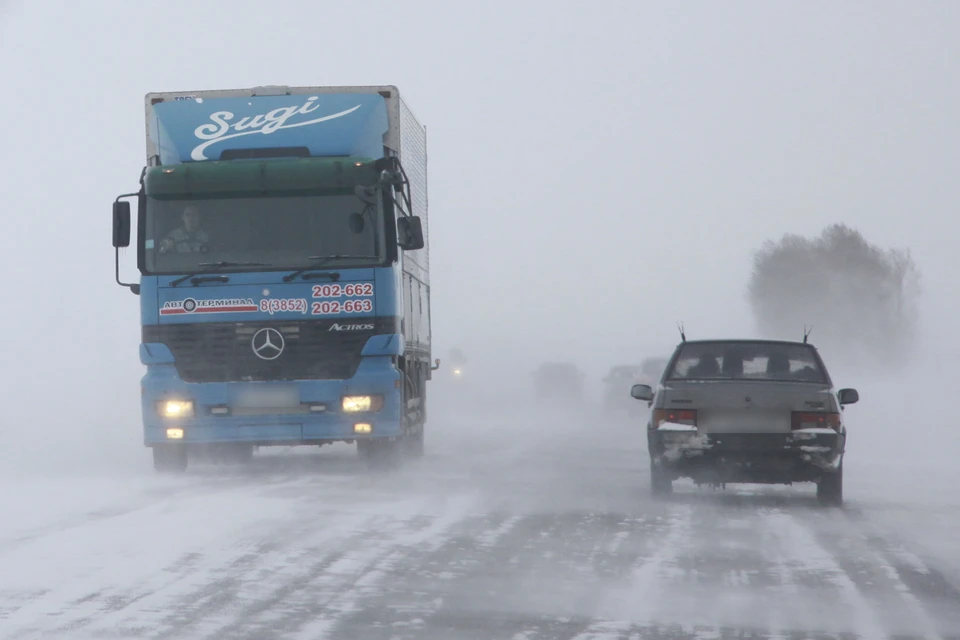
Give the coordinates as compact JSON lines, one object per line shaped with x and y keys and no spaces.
{"x":327,"y":125}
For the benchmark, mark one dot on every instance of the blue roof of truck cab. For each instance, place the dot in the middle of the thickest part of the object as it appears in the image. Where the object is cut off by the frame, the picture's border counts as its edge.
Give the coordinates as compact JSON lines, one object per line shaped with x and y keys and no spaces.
{"x":328,"y":125}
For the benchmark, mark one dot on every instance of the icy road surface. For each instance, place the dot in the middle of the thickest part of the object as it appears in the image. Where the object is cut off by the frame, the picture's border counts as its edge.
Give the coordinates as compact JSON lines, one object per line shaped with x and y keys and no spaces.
{"x":517,"y":528}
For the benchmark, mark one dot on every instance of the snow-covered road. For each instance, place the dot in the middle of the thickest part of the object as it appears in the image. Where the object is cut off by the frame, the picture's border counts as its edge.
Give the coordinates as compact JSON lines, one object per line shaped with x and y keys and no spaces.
{"x":520,"y":527}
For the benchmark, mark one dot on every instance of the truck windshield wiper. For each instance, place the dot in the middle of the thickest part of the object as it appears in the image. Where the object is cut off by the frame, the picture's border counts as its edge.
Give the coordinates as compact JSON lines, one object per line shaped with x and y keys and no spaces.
{"x":211,"y":266}
{"x":322,"y":260}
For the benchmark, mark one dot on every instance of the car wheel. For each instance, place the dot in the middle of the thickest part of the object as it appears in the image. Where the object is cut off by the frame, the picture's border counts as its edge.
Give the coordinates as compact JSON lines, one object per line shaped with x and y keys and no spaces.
{"x":168,"y":458}
{"x":830,"y":488}
{"x":660,"y":482}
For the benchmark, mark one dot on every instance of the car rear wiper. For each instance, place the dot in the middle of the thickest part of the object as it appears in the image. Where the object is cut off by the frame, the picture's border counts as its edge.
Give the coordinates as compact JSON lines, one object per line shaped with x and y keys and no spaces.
{"x":322,"y":260}
{"x":211,"y":266}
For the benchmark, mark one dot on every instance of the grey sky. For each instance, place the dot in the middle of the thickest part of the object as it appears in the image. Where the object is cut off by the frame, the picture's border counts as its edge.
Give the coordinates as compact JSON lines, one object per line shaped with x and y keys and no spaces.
{"x":597,"y":170}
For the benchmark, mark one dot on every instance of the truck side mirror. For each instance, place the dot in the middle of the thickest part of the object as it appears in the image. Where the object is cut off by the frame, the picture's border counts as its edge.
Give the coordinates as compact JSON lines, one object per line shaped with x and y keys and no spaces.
{"x":121,"y":224}
{"x":410,"y":233}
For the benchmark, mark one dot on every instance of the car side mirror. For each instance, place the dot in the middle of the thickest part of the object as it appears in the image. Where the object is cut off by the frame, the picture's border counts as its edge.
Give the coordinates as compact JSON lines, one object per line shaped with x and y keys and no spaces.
{"x":642,"y":392}
{"x":121,"y":224}
{"x":848,"y":396}
{"x":410,"y":233}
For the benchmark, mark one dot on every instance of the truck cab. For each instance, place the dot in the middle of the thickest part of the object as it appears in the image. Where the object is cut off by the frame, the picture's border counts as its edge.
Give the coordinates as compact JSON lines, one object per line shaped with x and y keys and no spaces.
{"x":284,"y":287}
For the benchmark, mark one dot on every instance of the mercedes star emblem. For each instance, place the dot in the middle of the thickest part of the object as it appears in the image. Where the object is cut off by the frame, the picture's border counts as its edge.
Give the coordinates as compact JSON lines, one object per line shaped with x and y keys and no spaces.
{"x":267,"y":344}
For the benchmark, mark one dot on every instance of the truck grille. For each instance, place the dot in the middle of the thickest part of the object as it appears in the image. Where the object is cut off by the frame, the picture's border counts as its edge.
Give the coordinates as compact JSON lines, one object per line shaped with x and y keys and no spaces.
{"x":223,"y":351}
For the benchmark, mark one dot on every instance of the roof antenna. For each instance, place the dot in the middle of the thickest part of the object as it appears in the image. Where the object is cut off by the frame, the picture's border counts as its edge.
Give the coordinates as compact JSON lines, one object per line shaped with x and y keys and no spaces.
{"x":806,"y":333}
{"x":683,"y":336}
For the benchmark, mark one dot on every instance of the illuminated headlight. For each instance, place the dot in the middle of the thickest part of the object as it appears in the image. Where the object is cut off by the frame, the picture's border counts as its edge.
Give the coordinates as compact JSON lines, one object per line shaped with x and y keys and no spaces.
{"x":175,"y":434}
{"x":456,"y":372}
{"x":354,"y":404}
{"x":175,"y":408}
{"x":362,"y":427}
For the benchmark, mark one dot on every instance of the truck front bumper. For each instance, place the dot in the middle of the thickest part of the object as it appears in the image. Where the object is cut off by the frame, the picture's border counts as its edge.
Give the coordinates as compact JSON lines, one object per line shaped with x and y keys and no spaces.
{"x":270,"y":413}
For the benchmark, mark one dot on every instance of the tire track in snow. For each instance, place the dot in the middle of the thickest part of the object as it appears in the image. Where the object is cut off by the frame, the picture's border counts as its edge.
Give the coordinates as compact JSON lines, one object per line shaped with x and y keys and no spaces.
{"x":320,"y":593}
{"x":374,"y":582}
{"x":186,"y":541}
{"x":531,"y":576}
{"x":825,"y":581}
{"x":641,"y":599}
{"x":889,"y":582}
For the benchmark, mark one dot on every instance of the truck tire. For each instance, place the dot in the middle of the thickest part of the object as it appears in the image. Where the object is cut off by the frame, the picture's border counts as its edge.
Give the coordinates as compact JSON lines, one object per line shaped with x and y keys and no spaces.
{"x":169,"y":458}
{"x":830,"y":488}
{"x":660,"y":482}
{"x":413,"y":443}
{"x":241,"y":454}
{"x":380,"y":453}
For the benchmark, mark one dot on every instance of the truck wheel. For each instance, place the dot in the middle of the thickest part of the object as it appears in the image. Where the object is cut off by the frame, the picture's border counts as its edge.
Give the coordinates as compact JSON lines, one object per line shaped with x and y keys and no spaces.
{"x":365,"y":449}
{"x":660,"y":482}
{"x":241,"y":454}
{"x":413,"y":444}
{"x":380,"y":453}
{"x":830,"y":488}
{"x":169,"y":458}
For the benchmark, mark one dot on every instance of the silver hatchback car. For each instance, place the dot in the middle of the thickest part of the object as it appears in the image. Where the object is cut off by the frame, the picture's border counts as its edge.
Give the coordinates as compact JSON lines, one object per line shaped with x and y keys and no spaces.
{"x":747,"y":411}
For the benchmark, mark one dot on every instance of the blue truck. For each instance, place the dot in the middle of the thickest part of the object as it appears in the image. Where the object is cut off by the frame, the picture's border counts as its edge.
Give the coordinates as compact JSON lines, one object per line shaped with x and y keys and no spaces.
{"x":282,"y":245}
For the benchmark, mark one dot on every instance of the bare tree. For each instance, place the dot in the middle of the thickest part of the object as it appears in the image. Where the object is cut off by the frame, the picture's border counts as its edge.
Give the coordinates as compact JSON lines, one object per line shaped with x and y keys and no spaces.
{"x":863,"y":300}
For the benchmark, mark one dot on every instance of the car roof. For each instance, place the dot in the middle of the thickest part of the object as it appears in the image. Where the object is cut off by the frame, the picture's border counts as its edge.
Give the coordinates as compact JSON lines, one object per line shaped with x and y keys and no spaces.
{"x":795,"y":343}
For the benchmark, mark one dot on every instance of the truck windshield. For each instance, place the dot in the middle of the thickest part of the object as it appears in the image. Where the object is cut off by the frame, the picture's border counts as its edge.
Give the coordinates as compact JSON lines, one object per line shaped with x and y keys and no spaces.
{"x":282,"y":231}
{"x":747,"y":361}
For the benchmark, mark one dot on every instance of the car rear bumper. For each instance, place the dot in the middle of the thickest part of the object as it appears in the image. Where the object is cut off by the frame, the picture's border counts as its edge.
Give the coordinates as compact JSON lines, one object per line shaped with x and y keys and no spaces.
{"x":774,"y":458}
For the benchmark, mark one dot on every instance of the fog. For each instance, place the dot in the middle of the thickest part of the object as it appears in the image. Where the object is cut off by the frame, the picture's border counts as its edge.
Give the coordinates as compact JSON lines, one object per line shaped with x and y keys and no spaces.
{"x":597,"y":174}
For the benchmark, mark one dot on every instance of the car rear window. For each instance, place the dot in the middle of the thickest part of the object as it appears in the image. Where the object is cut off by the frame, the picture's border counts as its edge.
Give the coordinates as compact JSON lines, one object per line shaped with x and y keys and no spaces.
{"x":747,"y":361}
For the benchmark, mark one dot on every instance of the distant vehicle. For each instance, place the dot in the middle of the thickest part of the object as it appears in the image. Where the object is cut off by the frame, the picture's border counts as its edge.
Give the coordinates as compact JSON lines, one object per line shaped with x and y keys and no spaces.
{"x":622,"y":377}
{"x":559,"y":380}
{"x":457,"y":362}
{"x":619,"y":379}
{"x":651,"y":370}
{"x":747,"y":411}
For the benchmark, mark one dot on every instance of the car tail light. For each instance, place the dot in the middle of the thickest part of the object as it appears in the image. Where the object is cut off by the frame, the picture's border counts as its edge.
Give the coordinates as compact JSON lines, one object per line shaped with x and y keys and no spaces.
{"x":684,"y":416}
{"x":815,"y":420}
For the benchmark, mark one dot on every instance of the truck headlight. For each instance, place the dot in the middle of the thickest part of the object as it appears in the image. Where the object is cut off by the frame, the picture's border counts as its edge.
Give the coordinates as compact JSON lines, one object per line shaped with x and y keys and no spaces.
{"x":354,"y":404}
{"x":175,"y":408}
